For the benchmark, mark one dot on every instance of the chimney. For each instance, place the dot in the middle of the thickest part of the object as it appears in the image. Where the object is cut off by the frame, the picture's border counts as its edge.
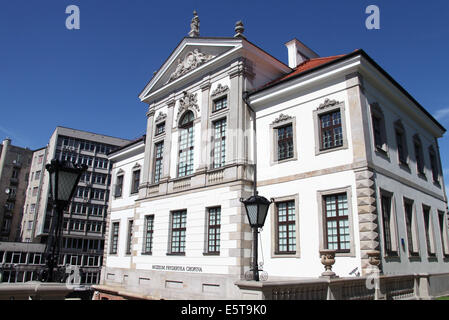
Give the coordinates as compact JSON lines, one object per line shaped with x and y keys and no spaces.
{"x":298,"y":52}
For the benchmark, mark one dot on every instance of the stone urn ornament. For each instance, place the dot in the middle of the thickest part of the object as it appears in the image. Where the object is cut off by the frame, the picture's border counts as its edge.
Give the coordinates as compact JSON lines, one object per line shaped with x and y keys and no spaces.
{"x":328,"y":260}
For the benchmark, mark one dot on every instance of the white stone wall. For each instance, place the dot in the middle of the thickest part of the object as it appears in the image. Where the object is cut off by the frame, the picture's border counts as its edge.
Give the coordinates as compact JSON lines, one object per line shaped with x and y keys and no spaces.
{"x":308,"y":264}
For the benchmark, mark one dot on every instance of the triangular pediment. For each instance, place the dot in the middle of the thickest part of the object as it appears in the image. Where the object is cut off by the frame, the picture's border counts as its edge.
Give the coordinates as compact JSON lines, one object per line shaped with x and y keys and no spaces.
{"x":189,"y":58}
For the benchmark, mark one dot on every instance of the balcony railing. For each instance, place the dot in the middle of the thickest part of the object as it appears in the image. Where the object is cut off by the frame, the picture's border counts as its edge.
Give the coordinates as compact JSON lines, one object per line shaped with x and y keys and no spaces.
{"x":388,"y":287}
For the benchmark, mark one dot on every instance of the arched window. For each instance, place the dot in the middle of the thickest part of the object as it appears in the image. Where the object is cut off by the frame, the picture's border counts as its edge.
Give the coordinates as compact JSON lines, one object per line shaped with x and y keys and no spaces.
{"x":186,"y":144}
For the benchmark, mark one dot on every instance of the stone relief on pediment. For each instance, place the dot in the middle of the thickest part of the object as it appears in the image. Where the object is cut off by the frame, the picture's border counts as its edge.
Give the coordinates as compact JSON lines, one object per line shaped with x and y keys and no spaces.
{"x":191,"y":61}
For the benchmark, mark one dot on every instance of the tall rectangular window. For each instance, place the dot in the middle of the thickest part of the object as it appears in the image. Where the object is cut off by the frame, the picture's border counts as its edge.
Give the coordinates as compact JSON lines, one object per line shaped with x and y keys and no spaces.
{"x":286,"y":227}
{"x":386,"y":223}
{"x":114,"y":237}
{"x":148,"y":237}
{"x":118,"y":186}
{"x":158,"y":154}
{"x":427,"y":229}
{"x":418,"y":155}
{"x":401,"y":143}
{"x":213,"y":230}
{"x":186,"y":144}
{"x":285,"y":142}
{"x":408,"y":209}
{"x":331,"y":130}
{"x":443,"y":229}
{"x":433,"y":165}
{"x":219,"y":143}
{"x":130,"y":237}
{"x":337,"y":223}
{"x":135,"y":181}
{"x":178,"y":232}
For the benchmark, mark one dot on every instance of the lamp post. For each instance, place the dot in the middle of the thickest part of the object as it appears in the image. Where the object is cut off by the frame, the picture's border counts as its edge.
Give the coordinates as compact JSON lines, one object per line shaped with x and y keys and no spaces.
{"x":256,"y":210}
{"x":256,"y":206}
{"x":64,"y":177}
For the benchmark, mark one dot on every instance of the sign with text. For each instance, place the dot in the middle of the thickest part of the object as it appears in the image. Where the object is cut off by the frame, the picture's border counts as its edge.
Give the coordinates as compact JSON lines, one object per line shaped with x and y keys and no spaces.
{"x":176,"y":268}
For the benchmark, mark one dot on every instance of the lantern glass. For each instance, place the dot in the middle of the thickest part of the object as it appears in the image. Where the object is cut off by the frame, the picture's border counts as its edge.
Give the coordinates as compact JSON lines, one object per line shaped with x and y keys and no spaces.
{"x":64,"y":177}
{"x":67,"y":181}
{"x":256,"y":209}
{"x":263,"y":210}
{"x":252,"y":212}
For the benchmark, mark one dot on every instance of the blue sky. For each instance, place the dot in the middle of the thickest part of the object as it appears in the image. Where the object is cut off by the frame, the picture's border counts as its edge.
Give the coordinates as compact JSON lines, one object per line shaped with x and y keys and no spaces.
{"x":89,"y":79}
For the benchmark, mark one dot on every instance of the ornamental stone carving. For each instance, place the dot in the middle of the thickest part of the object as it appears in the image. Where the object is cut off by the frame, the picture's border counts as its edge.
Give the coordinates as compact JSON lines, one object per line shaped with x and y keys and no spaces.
{"x":188,"y":101}
{"x":328,"y":103}
{"x":161,"y":116}
{"x":220,"y":90}
{"x":191,"y":61}
{"x":281,"y":118}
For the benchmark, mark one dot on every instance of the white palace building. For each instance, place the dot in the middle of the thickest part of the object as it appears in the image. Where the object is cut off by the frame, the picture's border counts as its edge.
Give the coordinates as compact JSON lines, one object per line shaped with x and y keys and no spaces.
{"x":349,"y":157}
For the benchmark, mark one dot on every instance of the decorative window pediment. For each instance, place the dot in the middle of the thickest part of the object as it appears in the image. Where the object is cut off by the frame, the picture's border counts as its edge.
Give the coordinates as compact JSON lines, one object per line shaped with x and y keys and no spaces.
{"x":328,"y":104}
{"x":220,"y":90}
{"x":282,"y":117}
{"x":161,"y":117}
{"x":136,"y":166}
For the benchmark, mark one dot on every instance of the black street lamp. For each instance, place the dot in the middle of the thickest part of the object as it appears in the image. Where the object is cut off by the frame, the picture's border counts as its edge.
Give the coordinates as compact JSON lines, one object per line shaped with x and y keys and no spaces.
{"x":256,"y":210}
{"x":64,"y":177}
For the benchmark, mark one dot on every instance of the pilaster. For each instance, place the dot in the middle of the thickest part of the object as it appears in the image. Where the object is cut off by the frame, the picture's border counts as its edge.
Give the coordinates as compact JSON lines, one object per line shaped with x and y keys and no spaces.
{"x":235,"y":140}
{"x":147,"y":167}
{"x":205,"y":141}
{"x":168,"y":140}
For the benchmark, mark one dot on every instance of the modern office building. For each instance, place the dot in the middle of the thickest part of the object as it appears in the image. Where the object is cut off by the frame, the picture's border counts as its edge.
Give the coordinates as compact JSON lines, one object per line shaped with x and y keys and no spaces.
{"x":84,"y":220}
{"x":14,"y":168}
{"x":349,"y":157}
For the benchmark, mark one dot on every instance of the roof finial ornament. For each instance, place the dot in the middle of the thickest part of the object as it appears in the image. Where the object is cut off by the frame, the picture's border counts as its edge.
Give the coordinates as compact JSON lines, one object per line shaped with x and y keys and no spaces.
{"x":195,"y":25}
{"x":239,"y":30}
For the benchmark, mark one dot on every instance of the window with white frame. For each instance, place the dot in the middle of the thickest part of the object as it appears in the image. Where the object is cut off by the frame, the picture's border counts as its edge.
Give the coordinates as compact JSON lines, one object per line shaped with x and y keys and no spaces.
{"x":410,"y":224}
{"x":419,"y":156}
{"x":148,"y":236}
{"x":158,"y":160}
{"x":130,"y":237}
{"x":434,"y":165}
{"x":283,"y":139}
{"x":213,"y":230}
{"x":118,"y":189}
{"x":379,"y":131}
{"x":401,"y":143}
{"x":336,"y":216}
{"x":285,"y":227}
{"x":428,"y":229}
{"x":114,"y":238}
{"x":219,"y":143}
{"x":135,"y":181}
{"x":186,"y":145}
{"x":330,"y":127}
{"x":444,"y":236}
{"x":178,"y":232}
{"x":389,"y":234}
